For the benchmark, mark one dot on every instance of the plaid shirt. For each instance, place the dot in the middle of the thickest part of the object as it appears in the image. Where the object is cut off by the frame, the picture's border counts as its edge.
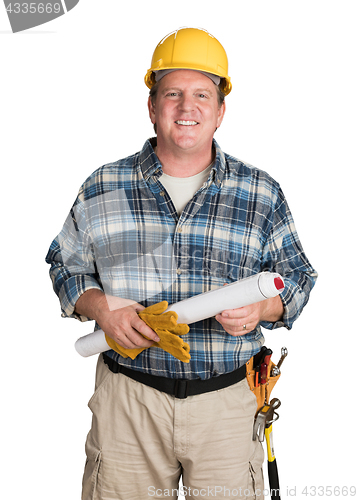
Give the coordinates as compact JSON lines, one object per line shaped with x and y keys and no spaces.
{"x":123,"y":236}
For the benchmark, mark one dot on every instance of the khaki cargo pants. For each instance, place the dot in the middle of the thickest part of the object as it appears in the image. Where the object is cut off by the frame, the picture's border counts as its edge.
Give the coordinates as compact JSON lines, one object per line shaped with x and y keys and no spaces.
{"x":142,"y":441}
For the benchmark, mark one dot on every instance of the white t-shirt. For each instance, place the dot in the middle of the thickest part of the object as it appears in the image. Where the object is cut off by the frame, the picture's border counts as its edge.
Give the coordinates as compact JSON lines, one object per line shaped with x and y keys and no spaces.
{"x":182,"y":189}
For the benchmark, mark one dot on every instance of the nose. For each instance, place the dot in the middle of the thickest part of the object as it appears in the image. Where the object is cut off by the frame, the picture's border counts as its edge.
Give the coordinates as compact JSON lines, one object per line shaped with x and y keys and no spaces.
{"x":186,"y":103}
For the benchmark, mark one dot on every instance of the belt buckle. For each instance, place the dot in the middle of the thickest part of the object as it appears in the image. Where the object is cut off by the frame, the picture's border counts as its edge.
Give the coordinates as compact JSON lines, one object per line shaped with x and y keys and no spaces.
{"x":181,"y":389}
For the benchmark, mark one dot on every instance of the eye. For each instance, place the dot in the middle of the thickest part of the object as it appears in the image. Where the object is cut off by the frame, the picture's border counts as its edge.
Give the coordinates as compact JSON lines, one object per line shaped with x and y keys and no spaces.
{"x":202,"y":96}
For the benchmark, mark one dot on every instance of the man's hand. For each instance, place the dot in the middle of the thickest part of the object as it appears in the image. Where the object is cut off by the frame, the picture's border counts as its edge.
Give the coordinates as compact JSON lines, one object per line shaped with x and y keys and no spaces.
{"x":118,"y":318}
{"x":126,"y":328}
{"x":245,"y":319}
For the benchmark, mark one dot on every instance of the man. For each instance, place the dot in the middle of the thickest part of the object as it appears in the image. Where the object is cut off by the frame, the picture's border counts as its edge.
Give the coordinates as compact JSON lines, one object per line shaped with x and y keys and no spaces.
{"x":177,"y":219}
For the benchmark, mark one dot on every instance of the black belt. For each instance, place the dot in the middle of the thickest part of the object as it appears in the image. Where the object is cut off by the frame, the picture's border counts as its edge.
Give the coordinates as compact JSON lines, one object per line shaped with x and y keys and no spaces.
{"x":179,"y":388}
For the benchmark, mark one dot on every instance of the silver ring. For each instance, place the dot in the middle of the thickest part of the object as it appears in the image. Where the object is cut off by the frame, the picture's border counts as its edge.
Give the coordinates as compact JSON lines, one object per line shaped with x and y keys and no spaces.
{"x":244,"y":327}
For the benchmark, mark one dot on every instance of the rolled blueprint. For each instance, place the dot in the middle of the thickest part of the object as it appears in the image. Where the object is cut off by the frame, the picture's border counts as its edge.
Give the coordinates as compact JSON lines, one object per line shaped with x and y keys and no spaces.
{"x":91,"y":344}
{"x":241,"y":293}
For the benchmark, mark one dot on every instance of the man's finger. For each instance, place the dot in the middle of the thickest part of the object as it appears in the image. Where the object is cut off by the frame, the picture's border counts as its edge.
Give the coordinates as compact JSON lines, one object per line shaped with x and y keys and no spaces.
{"x":131,"y":340}
{"x":140,"y":326}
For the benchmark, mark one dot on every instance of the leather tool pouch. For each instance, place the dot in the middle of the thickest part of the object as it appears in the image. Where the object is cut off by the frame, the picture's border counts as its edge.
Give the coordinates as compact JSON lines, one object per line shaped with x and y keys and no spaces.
{"x":263,"y":391}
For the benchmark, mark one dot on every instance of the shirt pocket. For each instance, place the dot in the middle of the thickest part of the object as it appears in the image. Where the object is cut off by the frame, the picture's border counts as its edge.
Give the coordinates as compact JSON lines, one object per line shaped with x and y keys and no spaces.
{"x":232,"y":259}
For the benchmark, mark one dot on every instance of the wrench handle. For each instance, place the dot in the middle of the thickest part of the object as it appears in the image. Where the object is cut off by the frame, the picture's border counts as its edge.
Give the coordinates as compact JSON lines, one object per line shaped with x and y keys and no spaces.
{"x":284,"y":353}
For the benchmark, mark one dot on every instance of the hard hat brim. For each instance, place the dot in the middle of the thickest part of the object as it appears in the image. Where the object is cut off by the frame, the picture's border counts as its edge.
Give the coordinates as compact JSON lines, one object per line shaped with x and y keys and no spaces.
{"x":149,"y":79}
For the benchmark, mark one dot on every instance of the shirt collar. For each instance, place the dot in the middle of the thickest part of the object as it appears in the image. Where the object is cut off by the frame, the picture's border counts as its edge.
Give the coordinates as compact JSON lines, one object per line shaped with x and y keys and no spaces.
{"x":218,"y":170}
{"x":149,"y":162}
{"x":151,"y":165}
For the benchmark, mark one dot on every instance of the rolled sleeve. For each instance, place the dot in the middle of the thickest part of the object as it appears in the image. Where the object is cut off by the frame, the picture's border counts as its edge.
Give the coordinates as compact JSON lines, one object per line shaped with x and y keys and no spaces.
{"x":284,"y":254}
{"x":71,"y":291}
{"x":73,"y":269}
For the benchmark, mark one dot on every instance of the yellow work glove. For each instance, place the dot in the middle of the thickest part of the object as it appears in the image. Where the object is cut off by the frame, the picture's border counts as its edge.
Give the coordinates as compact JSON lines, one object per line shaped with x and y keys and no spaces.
{"x":166,"y":327}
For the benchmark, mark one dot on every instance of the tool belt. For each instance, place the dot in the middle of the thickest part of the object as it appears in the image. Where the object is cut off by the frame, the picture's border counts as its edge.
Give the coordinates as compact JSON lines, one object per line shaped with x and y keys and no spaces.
{"x":182,"y":388}
{"x":179,"y":388}
{"x":261,"y":387}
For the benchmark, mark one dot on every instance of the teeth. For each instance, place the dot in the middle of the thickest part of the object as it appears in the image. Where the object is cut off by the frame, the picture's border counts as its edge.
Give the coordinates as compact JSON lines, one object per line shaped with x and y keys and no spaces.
{"x":185,"y":122}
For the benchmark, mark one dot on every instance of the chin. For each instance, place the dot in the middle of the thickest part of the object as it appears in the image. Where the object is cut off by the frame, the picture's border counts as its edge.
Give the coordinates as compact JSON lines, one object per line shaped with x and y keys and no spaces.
{"x":186,"y":142}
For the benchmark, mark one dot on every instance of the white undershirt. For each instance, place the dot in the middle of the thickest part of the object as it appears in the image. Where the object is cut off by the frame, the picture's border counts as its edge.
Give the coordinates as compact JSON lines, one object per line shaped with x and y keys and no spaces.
{"x":182,"y":189}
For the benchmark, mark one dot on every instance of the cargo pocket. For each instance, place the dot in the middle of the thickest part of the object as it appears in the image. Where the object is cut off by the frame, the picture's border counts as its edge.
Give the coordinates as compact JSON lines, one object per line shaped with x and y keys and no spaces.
{"x":92,"y":477}
{"x":256,"y":478}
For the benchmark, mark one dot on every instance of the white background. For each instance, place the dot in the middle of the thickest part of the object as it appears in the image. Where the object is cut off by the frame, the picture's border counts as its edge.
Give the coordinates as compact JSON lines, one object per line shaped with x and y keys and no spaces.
{"x":72,"y":99}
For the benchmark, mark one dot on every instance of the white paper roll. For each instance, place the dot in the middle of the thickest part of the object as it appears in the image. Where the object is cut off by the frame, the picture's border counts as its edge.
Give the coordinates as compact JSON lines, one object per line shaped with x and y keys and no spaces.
{"x":91,"y":344}
{"x":241,"y":293}
{"x":238,"y":294}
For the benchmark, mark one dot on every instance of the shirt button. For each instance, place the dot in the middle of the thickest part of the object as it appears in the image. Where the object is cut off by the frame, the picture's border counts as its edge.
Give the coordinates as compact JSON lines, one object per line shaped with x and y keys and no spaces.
{"x":178,"y":272}
{"x":179,"y":230}
{"x":162,"y":193}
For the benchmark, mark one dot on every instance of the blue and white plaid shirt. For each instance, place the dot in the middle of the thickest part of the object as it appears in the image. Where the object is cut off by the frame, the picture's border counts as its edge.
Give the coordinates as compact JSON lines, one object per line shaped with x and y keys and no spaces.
{"x":124,"y":236}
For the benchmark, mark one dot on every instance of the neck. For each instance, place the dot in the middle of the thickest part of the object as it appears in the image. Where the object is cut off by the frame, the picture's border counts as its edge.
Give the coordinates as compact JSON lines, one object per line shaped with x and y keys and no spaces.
{"x":185,"y":164}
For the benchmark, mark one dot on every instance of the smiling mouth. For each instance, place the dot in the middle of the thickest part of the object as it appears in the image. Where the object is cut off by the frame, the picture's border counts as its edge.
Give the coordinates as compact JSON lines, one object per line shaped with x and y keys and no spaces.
{"x":186,"y":122}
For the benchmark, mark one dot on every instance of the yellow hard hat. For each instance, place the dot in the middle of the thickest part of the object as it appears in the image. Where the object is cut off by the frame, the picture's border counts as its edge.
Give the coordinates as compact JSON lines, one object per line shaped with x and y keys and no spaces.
{"x":190,"y":48}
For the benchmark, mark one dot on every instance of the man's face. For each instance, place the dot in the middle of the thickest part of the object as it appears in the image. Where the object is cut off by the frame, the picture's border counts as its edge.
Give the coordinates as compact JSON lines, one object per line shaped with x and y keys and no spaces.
{"x":186,"y":112}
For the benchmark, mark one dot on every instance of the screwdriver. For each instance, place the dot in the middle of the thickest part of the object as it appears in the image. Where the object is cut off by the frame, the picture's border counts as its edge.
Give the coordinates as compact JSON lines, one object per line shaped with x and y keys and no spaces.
{"x":259,"y":360}
{"x":264,"y":366}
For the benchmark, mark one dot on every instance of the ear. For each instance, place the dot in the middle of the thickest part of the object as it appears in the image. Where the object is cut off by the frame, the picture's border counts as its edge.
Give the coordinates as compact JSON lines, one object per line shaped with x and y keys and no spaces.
{"x":151,"y":109}
{"x":221,"y":114}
